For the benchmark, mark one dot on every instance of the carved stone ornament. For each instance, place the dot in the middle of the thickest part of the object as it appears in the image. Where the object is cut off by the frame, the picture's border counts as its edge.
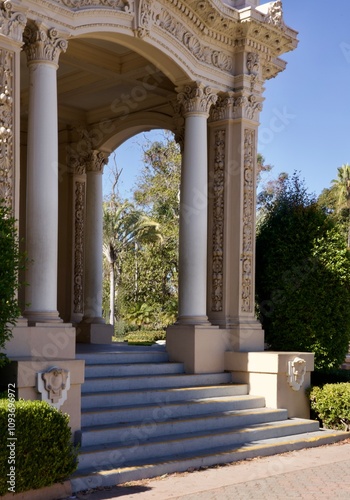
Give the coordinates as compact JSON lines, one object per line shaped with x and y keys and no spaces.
{"x":230,"y":107}
{"x":197,"y":99}
{"x":53,"y":385}
{"x":218,"y":221}
{"x":79,"y":219}
{"x":253,"y":63}
{"x":43,"y":44}
{"x":12,"y":23}
{"x":296,"y":373}
{"x":248,"y":221}
{"x":122,"y":5}
{"x":275,"y":14}
{"x":204,"y":53}
{"x":6,"y":128}
{"x":96,"y":161}
{"x":145,"y":20}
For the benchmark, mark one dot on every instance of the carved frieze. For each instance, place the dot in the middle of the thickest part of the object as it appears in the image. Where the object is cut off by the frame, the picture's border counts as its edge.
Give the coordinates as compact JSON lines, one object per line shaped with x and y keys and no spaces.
{"x":197,"y":99}
{"x":204,"y":53}
{"x":6,"y":127}
{"x":123,"y":5}
{"x":230,"y":107}
{"x":218,"y":221}
{"x":12,"y":23}
{"x":42,"y":43}
{"x":248,"y":221}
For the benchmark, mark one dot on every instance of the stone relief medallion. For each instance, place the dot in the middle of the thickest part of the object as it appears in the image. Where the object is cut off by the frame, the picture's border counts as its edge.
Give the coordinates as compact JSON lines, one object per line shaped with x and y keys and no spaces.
{"x":53,"y":385}
{"x":296,"y":373}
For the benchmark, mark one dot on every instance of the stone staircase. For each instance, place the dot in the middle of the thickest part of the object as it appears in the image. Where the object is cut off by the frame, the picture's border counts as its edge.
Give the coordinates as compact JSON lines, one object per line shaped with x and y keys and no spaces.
{"x":143,"y":417}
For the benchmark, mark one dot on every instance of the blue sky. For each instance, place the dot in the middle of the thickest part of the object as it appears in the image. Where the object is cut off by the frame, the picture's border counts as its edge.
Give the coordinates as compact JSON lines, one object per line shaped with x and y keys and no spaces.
{"x":310,"y":101}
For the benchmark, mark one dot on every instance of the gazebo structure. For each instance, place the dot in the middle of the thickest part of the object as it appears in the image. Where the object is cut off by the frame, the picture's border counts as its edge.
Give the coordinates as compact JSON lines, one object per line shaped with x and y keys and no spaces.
{"x":77,"y":79}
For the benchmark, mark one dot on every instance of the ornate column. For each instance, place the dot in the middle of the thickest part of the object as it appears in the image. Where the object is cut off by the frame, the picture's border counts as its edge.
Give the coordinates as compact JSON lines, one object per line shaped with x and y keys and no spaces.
{"x":193,"y":340}
{"x":232,"y":158}
{"x":93,"y":329}
{"x":43,"y":47}
{"x":196,"y":102}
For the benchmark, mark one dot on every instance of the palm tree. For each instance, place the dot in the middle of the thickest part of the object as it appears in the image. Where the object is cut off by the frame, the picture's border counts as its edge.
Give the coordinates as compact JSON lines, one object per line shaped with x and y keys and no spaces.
{"x":341,"y":186}
{"x":124,"y":227}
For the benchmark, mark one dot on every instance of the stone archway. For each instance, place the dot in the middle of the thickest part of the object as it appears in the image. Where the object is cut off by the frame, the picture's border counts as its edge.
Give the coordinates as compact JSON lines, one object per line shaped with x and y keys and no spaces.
{"x":93,"y":72}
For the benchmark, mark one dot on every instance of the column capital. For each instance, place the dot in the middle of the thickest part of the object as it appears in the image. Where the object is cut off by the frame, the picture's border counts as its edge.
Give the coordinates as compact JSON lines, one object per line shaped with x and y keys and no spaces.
{"x":96,"y":161}
{"x":233,"y":105}
{"x":43,"y":44}
{"x":196,"y":99}
{"x":12,"y":23}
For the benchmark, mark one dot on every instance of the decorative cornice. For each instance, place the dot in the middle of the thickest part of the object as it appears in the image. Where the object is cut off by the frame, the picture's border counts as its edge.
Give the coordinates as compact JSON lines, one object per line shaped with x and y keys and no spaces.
{"x":43,"y":44}
{"x":12,"y":23}
{"x":96,"y":161}
{"x":197,"y":99}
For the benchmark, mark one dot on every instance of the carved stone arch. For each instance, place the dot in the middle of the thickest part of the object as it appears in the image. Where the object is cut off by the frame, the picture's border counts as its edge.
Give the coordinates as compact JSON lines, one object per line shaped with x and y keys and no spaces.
{"x":139,"y":123}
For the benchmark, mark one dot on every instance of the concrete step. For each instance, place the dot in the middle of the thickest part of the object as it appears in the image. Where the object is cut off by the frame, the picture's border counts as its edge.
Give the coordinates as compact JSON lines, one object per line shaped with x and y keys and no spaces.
{"x":160,"y":396}
{"x":147,"y":381}
{"x":171,"y":446}
{"x":162,"y":412}
{"x":146,"y":429}
{"x":126,"y":357}
{"x":93,"y":478}
{"x":127,"y":370}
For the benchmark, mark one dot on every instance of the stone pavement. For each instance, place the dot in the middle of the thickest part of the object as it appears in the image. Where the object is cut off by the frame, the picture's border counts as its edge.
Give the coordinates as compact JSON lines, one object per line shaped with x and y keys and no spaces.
{"x":315,"y":473}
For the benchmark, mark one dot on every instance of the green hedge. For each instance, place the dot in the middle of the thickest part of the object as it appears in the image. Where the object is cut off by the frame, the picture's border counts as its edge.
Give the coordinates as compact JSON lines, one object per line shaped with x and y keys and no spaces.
{"x":147,"y":336}
{"x":331,"y":404}
{"x":42,"y":453}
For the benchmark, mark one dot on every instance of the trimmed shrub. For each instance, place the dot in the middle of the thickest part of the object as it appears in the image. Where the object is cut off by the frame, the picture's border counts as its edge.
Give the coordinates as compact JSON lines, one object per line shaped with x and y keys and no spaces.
{"x":145,"y":336}
{"x":303,"y":279}
{"x":43,"y":451}
{"x":331,"y":404}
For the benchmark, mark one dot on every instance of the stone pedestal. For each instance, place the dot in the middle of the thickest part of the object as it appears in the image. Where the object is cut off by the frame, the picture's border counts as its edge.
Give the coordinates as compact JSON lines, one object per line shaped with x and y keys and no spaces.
{"x":280,"y":377}
{"x":200,"y":348}
{"x":94,"y":333}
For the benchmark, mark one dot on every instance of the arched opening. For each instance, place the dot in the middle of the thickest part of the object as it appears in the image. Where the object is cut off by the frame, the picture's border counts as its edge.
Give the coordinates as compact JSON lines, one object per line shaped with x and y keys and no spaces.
{"x":141,"y":235}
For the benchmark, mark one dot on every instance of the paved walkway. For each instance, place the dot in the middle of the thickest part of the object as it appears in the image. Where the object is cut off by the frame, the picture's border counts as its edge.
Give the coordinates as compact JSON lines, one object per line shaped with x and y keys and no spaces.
{"x":314,"y":473}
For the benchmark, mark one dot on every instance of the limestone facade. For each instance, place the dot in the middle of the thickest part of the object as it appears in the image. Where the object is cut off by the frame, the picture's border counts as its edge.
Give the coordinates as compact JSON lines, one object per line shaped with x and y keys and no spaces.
{"x":77,"y":79}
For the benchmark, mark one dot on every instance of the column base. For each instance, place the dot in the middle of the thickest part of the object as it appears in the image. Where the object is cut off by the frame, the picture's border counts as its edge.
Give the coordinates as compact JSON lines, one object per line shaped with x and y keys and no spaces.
{"x":270,"y":374}
{"x":35,"y":317}
{"x":94,"y":333}
{"x":193,"y":320}
{"x":200,"y":348}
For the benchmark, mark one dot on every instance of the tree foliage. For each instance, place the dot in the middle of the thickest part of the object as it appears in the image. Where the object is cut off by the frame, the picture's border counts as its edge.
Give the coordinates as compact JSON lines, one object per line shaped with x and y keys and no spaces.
{"x":124,"y":230}
{"x":303,"y":278}
{"x":10,"y":263}
{"x":336,"y":200}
